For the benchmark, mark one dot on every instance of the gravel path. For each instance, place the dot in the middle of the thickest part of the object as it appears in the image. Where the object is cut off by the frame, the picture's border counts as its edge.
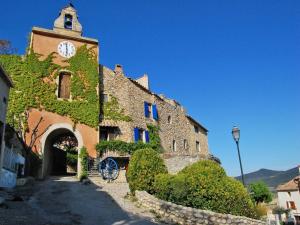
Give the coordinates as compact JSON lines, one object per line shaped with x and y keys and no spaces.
{"x":65,"y":201}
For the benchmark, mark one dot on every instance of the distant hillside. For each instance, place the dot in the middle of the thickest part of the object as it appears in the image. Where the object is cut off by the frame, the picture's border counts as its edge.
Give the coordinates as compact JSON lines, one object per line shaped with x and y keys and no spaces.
{"x":271,"y":177}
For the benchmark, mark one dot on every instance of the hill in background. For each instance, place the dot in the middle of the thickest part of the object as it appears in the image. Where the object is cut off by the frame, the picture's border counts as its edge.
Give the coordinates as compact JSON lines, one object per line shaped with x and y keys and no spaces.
{"x":271,"y":177}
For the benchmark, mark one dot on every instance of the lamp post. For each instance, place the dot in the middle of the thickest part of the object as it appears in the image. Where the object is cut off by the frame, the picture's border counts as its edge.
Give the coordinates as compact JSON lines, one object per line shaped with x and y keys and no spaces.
{"x":236,"y":138}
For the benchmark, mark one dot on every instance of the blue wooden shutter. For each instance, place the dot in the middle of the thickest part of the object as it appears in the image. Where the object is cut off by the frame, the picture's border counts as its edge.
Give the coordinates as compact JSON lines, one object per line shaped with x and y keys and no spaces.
{"x":155,"y":113}
{"x":147,"y":136}
{"x":136,"y":134}
{"x":146,"y":109}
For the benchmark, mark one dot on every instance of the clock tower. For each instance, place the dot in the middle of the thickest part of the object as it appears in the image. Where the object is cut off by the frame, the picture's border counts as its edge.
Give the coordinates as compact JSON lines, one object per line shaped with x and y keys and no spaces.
{"x":64,"y":39}
{"x":49,"y":126}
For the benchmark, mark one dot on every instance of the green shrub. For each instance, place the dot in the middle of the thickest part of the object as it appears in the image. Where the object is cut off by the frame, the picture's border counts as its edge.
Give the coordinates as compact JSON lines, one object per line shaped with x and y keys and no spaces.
{"x":72,"y":157}
{"x":144,"y":165}
{"x":205,"y":185}
{"x":84,"y":157}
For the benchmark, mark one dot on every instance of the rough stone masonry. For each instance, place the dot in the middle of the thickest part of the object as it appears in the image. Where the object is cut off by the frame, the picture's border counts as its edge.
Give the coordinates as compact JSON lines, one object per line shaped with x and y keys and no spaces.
{"x":172,"y":213}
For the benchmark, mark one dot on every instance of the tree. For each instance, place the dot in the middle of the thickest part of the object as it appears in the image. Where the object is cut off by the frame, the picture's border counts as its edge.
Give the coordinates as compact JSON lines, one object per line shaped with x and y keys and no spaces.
{"x":6,"y":48}
{"x":259,"y":192}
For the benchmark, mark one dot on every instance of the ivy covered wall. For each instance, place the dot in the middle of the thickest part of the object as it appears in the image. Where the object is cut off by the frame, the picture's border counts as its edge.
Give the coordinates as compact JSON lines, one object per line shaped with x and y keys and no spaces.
{"x":35,"y":86}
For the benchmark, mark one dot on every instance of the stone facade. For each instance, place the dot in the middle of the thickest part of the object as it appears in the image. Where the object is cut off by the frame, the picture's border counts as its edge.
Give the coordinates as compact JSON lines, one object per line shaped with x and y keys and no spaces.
{"x":177,"y":214}
{"x":180,"y":134}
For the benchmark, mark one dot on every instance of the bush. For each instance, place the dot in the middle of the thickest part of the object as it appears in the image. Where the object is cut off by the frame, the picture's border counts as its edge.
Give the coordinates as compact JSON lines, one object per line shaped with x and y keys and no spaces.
{"x":84,"y":157}
{"x":143,"y":166}
{"x":72,"y":157}
{"x":261,"y":210}
{"x":204,"y":185}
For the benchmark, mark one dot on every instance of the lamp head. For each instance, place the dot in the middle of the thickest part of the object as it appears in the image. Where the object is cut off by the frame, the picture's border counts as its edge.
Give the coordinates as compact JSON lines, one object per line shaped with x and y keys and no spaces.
{"x":236,"y":133}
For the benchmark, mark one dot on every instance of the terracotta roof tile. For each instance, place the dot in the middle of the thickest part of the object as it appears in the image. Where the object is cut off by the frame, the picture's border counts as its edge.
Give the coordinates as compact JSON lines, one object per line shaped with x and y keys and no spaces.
{"x":289,"y":186}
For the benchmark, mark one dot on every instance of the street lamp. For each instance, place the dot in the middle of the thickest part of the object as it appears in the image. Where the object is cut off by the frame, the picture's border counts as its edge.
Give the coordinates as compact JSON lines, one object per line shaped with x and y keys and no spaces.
{"x":236,"y":138}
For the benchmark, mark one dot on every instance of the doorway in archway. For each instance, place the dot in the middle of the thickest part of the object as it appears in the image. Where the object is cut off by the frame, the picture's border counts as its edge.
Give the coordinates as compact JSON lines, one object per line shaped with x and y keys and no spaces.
{"x":60,"y":153}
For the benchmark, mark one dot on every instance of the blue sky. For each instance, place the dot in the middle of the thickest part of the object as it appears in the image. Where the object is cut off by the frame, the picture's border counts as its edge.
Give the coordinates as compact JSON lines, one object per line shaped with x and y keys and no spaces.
{"x":228,"y":62}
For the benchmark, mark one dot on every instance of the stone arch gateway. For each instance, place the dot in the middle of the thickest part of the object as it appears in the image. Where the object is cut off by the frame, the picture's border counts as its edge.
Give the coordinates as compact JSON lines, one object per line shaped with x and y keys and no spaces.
{"x":50,"y":164}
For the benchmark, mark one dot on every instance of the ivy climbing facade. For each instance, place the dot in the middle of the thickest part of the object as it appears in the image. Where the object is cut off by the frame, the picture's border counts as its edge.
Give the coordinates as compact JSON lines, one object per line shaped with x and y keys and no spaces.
{"x":62,"y":91}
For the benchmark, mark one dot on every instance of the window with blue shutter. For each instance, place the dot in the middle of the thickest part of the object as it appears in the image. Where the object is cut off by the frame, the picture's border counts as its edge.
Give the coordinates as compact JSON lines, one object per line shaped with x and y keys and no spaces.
{"x":155,"y":113}
{"x":136,"y":134}
{"x":146,"y":109}
{"x":147,"y":139}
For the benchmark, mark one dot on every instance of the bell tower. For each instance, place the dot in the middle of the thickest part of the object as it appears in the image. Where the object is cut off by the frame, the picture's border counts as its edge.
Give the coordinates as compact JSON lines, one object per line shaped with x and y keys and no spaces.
{"x":65,"y":38}
{"x":67,"y":22}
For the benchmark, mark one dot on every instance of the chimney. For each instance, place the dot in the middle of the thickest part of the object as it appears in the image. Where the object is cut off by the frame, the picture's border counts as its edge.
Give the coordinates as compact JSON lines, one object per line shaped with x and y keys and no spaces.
{"x":144,"y":81}
{"x":118,"y":69}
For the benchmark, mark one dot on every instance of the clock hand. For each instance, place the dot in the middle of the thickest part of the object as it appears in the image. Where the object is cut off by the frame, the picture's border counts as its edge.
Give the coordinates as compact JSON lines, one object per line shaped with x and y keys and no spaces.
{"x":66,"y":48}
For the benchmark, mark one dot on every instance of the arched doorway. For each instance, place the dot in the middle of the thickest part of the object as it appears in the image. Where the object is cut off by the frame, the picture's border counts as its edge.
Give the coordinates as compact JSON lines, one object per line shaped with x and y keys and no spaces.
{"x":60,"y":150}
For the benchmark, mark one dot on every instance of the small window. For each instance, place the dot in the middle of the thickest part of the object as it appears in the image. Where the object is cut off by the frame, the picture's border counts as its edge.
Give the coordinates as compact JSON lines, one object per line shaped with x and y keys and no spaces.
{"x":68,"y":21}
{"x":148,"y":110}
{"x":141,"y":135}
{"x":198,"y":146}
{"x":108,"y":133}
{"x":4,"y":100}
{"x":64,"y":85}
{"x":104,"y":98}
{"x":196,"y":129}
{"x":174,"y":146}
{"x":185,"y":144}
{"x":169,"y":119}
{"x":289,"y":193}
{"x":291,"y":205}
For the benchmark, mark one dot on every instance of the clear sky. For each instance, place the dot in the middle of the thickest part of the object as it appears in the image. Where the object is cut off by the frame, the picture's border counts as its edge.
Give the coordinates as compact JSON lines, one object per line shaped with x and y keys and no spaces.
{"x":228,"y":62}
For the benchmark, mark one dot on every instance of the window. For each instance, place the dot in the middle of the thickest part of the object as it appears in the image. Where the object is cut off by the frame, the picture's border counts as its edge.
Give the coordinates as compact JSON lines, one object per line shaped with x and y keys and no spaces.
{"x":141,"y":135}
{"x":185,"y":144}
{"x":169,"y":119}
{"x":64,"y":85}
{"x":68,"y":21}
{"x":108,"y":133}
{"x":147,"y":109}
{"x":4,"y":100}
{"x":174,"y":146}
{"x":196,"y":129}
{"x":291,"y":205}
{"x":198,"y":146}
{"x":150,"y":109}
{"x":104,"y":98}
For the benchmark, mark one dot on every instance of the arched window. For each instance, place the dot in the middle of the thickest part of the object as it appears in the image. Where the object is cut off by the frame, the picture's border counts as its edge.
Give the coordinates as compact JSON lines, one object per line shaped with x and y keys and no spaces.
{"x":64,"y":86}
{"x":185,"y":144}
{"x":68,"y":21}
{"x":174,"y":146}
{"x":169,"y":119}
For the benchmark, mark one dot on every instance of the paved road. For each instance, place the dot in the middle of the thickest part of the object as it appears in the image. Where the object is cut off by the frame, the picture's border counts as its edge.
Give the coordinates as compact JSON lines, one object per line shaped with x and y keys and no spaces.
{"x":64,"y":201}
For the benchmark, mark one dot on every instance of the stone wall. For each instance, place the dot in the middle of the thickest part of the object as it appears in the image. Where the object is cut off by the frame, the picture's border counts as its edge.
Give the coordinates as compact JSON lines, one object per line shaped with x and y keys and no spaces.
{"x":131,"y":97}
{"x":177,"y":163}
{"x":172,"y":213}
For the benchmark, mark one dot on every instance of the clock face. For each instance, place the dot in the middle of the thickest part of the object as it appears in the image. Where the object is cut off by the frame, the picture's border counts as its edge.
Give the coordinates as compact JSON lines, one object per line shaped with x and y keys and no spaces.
{"x":66,"y":49}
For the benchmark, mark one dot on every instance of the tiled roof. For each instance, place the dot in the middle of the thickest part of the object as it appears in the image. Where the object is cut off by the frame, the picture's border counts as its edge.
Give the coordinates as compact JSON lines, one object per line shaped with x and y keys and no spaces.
{"x":289,"y":186}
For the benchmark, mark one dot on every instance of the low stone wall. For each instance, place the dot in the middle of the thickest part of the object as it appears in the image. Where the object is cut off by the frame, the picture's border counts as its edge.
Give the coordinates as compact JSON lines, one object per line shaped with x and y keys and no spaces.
{"x":172,"y":213}
{"x":177,"y":163}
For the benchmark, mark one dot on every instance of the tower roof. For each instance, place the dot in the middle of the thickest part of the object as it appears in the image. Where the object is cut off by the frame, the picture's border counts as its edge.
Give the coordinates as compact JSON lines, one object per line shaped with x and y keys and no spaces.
{"x":67,"y":22}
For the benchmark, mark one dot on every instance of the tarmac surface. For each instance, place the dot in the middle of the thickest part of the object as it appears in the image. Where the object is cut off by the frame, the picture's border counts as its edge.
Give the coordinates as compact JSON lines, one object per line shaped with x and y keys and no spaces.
{"x":65,"y":201}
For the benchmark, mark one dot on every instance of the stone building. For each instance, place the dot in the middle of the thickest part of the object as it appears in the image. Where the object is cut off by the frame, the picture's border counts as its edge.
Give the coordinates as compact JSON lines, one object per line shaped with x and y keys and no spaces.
{"x":180,"y":134}
{"x":134,"y":105}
